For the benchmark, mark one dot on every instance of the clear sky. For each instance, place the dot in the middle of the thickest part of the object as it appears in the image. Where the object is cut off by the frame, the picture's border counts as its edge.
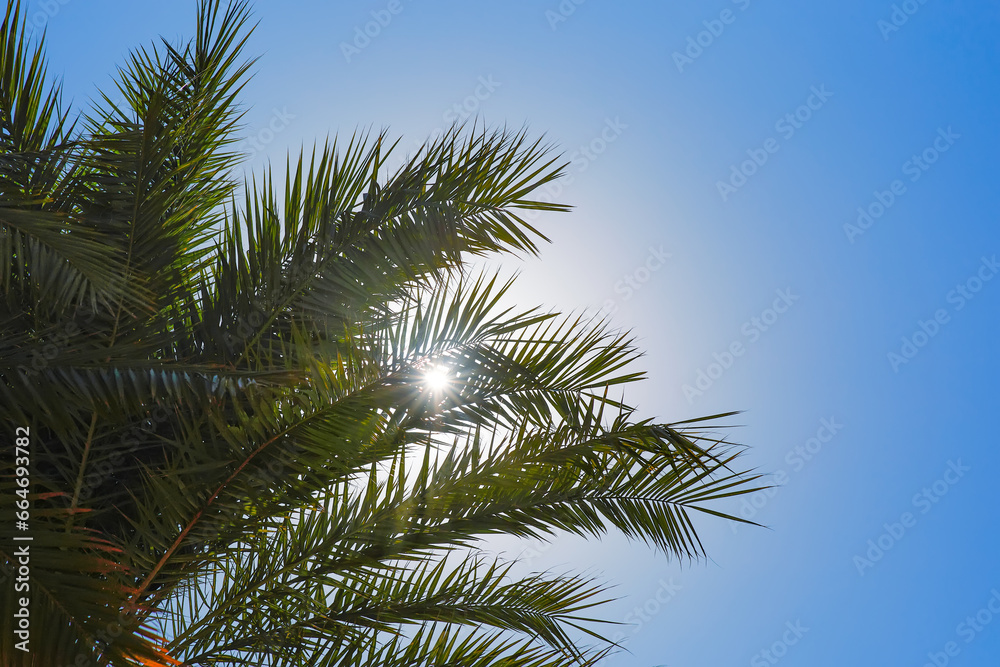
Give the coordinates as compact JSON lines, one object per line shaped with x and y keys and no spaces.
{"x":794,"y":208}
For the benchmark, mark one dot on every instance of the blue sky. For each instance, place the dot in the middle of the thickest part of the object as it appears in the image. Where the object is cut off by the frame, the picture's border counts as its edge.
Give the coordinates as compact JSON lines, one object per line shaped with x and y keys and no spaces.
{"x":893,"y":111}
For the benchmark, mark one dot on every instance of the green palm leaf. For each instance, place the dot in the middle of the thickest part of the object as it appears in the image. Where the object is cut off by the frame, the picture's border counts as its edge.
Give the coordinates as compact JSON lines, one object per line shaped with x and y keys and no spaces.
{"x":235,"y":445}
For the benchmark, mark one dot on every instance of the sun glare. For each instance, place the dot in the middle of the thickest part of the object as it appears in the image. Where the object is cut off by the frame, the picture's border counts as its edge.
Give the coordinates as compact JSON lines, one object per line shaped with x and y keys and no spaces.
{"x":437,"y":378}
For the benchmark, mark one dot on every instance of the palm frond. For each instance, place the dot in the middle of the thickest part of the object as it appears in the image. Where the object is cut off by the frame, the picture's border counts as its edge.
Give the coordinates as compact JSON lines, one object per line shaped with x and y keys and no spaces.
{"x":235,"y":442}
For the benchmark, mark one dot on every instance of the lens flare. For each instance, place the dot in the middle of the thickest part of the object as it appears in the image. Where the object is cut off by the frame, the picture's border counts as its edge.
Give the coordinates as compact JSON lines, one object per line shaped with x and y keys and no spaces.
{"x":437,"y":378}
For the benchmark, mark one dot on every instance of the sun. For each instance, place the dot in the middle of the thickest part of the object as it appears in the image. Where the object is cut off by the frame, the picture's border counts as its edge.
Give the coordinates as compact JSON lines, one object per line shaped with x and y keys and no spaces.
{"x":437,"y":378}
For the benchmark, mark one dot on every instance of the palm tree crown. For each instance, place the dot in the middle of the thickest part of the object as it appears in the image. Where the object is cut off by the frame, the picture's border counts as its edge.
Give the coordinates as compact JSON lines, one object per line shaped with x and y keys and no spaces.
{"x":275,"y":428}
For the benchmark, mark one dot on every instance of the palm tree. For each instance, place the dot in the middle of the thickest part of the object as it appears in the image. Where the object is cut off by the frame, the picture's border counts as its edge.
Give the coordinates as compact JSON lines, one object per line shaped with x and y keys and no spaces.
{"x":278,"y":432}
